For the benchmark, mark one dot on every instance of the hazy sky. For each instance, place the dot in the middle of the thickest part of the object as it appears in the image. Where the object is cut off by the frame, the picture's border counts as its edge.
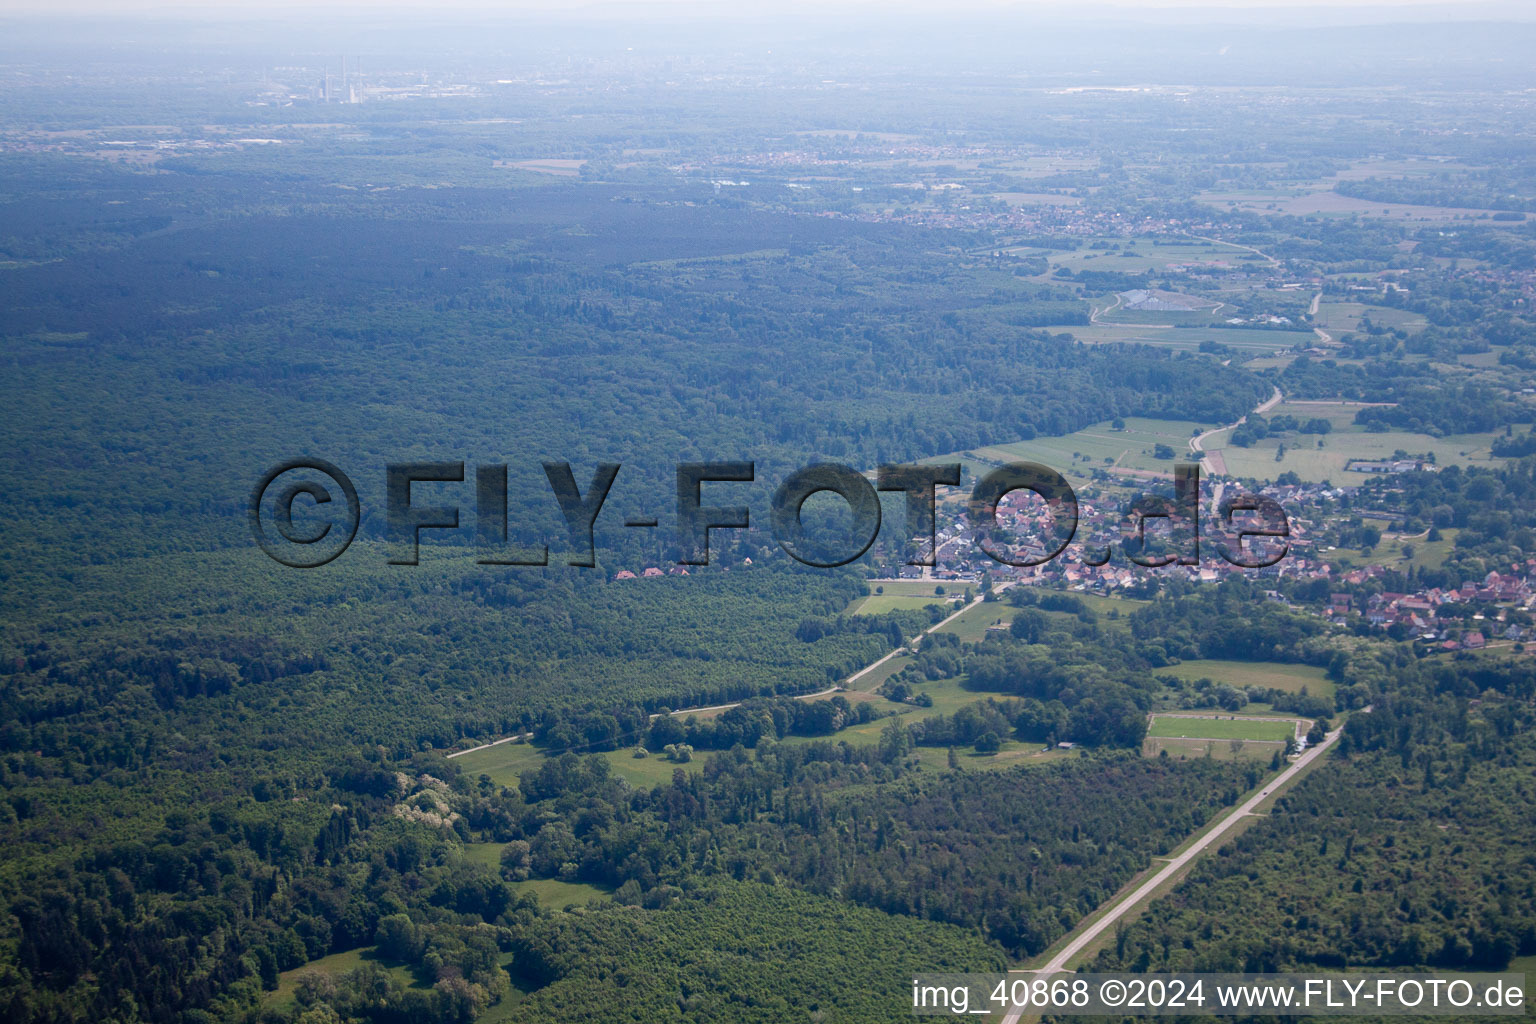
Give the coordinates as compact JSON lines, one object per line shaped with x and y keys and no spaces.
{"x":1386,"y":8}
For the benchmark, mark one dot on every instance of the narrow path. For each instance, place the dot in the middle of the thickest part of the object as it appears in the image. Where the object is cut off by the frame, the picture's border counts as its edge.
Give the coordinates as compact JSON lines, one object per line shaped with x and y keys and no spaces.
{"x":493,"y":743}
{"x":1093,"y":317}
{"x":1217,"y":241}
{"x":1322,"y":336}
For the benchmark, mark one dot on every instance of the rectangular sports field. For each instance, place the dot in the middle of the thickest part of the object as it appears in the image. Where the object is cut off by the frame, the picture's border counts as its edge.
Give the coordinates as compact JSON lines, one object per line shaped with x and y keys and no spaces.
{"x":1224,"y":728}
{"x":1219,"y":750}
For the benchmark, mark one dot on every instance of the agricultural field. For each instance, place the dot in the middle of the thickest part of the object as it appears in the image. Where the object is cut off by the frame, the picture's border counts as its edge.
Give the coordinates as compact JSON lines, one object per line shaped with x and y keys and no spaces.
{"x":1137,"y":255}
{"x":1220,"y":750}
{"x":1036,"y":199}
{"x":1338,"y":317}
{"x":1011,"y":753}
{"x":1105,"y":605}
{"x":1427,"y":554}
{"x":1347,"y":442}
{"x":1243,"y":674}
{"x":1268,"y":362}
{"x":1256,"y":341}
{"x":974,"y":623}
{"x":903,"y":595}
{"x":1320,"y":200}
{"x":879,"y":604}
{"x":557,"y":167}
{"x":1099,"y":447}
{"x":1192,"y":725}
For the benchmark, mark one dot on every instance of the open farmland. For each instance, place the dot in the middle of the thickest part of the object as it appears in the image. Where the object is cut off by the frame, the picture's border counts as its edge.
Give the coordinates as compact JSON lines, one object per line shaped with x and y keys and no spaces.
{"x":1195,"y":725}
{"x":1345,"y":443}
{"x":1243,"y":674}
{"x":1097,"y":447}
{"x":1218,"y":749}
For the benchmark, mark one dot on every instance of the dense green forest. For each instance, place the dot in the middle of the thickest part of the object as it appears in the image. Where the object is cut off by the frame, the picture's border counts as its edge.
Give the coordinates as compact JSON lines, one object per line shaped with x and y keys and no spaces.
{"x":225,"y":793}
{"x":1369,"y":865}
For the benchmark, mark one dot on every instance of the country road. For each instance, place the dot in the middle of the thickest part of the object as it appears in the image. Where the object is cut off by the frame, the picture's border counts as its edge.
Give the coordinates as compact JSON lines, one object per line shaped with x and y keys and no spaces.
{"x":1093,"y":317}
{"x":1196,"y":443}
{"x":844,"y":685}
{"x":1169,"y":871}
{"x":1322,"y":335}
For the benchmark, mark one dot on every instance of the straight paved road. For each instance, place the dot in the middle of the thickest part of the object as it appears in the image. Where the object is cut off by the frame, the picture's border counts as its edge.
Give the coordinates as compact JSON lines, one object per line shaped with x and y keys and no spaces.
{"x":1059,"y":962}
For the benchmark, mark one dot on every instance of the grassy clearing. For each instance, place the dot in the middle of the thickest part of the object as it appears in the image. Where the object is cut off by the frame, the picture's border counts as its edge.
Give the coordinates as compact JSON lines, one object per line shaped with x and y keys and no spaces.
{"x":504,"y":763}
{"x":1342,"y":317}
{"x":1246,"y":340}
{"x":949,"y":696}
{"x":1137,"y":255}
{"x":915,"y":588}
{"x":1226,"y":728}
{"x":872,"y":680}
{"x":557,"y":895}
{"x":558,"y":167}
{"x":1099,"y":447}
{"x":282,"y":998}
{"x":1037,"y":199}
{"x":893,"y":595}
{"x":1426,"y":554}
{"x":1523,"y":964}
{"x":1103,"y":605}
{"x":1219,"y":749}
{"x":648,"y":771}
{"x":972,"y":624}
{"x":1182,"y":319}
{"x":1012,"y":753}
{"x":879,"y":604}
{"x":1320,"y":200}
{"x":485,"y":854}
{"x":1242,"y":674}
